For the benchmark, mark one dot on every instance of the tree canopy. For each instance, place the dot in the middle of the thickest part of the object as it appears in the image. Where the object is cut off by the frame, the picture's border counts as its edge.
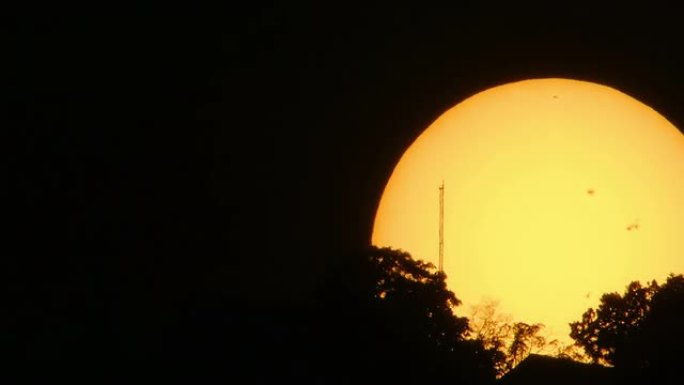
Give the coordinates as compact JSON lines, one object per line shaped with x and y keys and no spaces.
{"x":640,"y":329}
{"x":509,"y":342}
{"x":607,"y":333}
{"x":394,"y":317}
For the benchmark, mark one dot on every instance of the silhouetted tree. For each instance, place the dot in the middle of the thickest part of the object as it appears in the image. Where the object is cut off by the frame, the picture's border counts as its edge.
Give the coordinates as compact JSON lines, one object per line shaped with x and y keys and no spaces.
{"x":640,"y":332}
{"x":526,"y":338}
{"x":493,"y":330}
{"x":608,"y":334}
{"x":392,"y":318}
{"x":661,"y":340}
{"x":509,"y":342}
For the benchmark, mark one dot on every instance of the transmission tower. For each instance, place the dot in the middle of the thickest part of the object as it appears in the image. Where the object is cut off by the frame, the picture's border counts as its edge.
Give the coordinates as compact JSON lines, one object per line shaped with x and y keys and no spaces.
{"x":441,"y":227}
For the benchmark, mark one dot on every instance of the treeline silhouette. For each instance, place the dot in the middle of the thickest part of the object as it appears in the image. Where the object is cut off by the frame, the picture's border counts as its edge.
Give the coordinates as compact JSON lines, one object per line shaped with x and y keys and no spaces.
{"x":379,"y":316}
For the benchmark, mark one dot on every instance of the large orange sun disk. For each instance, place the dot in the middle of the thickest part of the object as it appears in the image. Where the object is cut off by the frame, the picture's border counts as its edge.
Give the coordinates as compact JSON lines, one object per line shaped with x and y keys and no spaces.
{"x":556,"y":191}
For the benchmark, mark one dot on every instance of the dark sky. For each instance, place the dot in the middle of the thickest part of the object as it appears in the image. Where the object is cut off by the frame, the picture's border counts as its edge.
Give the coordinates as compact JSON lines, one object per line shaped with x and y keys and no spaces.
{"x":157,"y":152}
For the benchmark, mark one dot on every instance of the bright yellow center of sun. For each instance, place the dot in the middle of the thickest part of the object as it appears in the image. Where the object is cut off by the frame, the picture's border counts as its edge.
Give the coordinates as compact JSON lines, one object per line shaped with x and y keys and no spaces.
{"x":556,"y":191}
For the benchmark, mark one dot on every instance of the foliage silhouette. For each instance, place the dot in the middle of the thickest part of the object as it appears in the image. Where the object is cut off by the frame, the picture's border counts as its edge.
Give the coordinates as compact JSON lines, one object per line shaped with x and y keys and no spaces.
{"x":377,"y":316}
{"x":662,"y":337}
{"x":525,"y":338}
{"x":391,"y":318}
{"x":640,"y":331}
{"x":510,"y":342}
{"x":607,"y":333}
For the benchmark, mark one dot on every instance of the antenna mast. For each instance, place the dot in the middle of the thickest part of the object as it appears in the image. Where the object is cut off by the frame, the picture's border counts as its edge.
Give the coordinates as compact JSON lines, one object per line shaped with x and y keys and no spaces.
{"x":441,"y":227}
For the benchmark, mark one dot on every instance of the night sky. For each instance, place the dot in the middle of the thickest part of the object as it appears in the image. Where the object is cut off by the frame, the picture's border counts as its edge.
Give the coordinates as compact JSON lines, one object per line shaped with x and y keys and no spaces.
{"x":158,"y":155}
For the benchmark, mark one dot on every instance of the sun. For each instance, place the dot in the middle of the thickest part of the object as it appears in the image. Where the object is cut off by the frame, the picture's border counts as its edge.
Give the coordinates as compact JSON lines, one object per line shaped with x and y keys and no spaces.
{"x":555,"y":192}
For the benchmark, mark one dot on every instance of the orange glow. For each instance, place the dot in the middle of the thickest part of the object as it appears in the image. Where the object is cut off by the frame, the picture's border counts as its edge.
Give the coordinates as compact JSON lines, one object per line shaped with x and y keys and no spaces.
{"x":556,"y":191}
